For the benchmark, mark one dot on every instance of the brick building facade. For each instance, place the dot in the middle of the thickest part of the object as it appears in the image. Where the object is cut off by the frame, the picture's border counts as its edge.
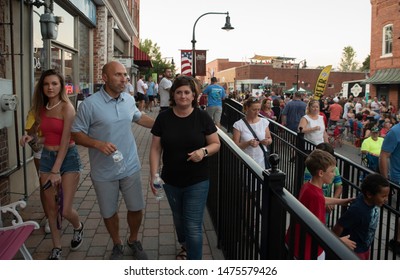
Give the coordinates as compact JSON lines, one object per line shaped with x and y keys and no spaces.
{"x":247,"y":76}
{"x":4,"y":182}
{"x":385,"y":50}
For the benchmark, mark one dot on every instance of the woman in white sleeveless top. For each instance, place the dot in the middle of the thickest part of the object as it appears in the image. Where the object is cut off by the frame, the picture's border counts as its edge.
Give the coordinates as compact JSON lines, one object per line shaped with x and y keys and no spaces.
{"x":312,"y":124}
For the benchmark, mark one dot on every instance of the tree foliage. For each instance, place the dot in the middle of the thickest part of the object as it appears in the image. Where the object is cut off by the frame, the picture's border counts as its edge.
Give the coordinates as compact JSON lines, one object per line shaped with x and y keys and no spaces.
{"x":365,"y":65}
{"x":348,"y":62}
{"x":159,"y":63}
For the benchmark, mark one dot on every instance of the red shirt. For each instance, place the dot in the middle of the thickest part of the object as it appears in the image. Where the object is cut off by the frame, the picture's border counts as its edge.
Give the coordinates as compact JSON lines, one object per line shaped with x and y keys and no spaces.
{"x":313,"y":199}
{"x":336,"y":112}
{"x":52,"y":129}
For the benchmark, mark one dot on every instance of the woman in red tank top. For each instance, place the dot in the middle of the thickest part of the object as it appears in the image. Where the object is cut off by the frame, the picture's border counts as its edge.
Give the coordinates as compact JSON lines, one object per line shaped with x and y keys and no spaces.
{"x":60,"y":162}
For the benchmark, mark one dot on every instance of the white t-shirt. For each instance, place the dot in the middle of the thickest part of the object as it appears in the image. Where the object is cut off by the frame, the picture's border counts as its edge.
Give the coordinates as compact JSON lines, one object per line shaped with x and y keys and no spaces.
{"x":163,"y":90}
{"x":141,"y":86}
{"x":129,"y":88}
{"x":358,"y":107}
{"x":346,"y":108}
{"x":375,"y":105}
{"x":316,"y":136}
{"x":245,"y":135}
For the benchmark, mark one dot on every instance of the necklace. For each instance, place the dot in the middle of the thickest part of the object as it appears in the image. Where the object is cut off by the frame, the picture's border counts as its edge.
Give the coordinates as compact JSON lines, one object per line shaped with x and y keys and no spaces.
{"x":52,"y":107}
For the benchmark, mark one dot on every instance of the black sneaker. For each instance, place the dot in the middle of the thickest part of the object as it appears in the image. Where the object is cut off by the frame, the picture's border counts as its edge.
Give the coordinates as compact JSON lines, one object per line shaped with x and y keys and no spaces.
{"x":77,"y":238}
{"x":55,"y":254}
{"x":117,"y":252}
{"x":394,"y":245}
{"x":137,"y":250}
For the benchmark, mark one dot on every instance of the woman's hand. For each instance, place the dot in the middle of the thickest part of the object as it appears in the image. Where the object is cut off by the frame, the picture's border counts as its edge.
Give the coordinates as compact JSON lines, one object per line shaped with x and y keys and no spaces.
{"x":25,"y":139}
{"x":253,"y":143}
{"x":55,"y":179}
{"x":266,"y":141}
{"x":196,"y":155}
{"x":153,"y":189}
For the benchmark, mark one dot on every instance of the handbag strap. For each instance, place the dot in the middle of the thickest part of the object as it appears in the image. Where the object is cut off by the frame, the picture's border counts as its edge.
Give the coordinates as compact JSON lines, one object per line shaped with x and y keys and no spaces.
{"x":254,"y":134}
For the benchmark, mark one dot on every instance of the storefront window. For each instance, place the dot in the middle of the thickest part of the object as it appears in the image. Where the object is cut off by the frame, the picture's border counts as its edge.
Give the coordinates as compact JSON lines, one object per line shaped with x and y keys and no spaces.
{"x":86,"y":87}
{"x":63,"y":55}
{"x":62,"y":52}
{"x":65,"y":29}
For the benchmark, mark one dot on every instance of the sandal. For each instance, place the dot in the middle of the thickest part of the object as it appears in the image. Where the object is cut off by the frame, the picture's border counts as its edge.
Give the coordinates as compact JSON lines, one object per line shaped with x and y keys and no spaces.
{"x":182,"y":255}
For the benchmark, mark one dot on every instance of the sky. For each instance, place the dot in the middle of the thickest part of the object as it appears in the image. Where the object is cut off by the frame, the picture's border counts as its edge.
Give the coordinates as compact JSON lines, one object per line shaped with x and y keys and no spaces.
{"x":313,"y":30}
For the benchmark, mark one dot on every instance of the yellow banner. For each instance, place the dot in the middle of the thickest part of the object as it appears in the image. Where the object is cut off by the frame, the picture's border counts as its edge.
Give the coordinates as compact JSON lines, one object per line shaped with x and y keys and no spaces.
{"x":321,"y":82}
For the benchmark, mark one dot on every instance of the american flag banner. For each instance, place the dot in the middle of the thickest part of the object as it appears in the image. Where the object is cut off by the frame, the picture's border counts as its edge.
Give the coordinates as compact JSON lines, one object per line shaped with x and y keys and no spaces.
{"x":186,"y":62}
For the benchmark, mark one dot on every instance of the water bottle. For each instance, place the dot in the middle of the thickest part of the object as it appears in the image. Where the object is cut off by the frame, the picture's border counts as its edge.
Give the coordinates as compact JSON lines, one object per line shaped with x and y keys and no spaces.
{"x":158,"y":184}
{"x":119,"y":161}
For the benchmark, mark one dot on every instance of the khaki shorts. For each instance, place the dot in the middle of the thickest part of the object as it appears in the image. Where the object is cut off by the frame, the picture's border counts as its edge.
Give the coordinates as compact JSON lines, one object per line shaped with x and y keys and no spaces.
{"x":215,"y":113}
{"x":108,"y":194}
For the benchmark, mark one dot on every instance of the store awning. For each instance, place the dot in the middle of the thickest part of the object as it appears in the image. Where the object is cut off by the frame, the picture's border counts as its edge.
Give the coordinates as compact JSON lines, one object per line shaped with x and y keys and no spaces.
{"x":385,"y":76}
{"x":140,"y":58}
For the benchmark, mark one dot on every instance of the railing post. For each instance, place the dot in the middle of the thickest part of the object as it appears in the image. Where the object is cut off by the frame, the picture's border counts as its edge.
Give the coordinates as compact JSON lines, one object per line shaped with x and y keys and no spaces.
{"x":273,"y":222}
{"x":299,"y":162}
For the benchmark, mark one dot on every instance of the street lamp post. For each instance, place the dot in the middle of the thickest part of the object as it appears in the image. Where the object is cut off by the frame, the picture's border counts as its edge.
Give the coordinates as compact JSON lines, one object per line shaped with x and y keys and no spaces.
{"x":297,"y":72}
{"x":226,"y":27}
{"x":172,"y":59}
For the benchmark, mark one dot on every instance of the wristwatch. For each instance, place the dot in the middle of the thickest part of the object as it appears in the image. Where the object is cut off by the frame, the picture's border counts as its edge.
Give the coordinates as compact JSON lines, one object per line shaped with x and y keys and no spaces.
{"x":205,"y":152}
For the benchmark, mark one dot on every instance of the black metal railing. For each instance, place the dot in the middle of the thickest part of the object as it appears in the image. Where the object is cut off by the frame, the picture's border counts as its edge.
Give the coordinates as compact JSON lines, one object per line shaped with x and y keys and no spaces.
{"x":251,"y":211}
{"x":236,"y":197}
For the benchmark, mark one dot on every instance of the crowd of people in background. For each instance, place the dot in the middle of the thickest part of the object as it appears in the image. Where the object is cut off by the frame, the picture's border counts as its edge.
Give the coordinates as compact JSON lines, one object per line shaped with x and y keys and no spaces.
{"x":370,"y":124}
{"x":358,"y":115}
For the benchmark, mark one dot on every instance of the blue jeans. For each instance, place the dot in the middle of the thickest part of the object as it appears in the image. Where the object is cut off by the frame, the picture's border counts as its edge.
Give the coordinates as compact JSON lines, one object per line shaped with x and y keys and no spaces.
{"x":187,"y":205}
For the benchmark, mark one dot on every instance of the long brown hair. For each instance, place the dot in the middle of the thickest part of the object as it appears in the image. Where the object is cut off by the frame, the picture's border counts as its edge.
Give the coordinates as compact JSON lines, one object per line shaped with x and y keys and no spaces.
{"x":40,"y":100}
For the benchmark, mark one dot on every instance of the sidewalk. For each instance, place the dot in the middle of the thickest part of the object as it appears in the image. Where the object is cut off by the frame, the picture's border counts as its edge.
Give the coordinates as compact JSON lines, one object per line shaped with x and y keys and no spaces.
{"x":157,"y":232}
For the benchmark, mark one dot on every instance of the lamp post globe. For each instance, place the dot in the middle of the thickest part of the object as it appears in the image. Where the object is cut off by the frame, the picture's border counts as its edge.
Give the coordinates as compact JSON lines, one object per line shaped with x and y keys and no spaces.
{"x":226,"y":27}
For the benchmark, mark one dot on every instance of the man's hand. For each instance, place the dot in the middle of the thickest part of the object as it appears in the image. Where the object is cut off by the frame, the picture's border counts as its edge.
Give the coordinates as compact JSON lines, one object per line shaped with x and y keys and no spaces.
{"x":106,"y":148}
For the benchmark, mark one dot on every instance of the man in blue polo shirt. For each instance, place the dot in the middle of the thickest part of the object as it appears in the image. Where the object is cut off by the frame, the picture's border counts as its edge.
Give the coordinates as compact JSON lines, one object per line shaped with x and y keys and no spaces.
{"x":103,"y":124}
{"x":215,"y":93}
{"x":293,"y":111}
{"x":389,"y":167}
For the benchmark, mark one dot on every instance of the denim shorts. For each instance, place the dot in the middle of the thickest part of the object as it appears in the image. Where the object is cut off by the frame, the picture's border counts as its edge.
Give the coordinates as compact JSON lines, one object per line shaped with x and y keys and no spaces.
{"x":71,"y":163}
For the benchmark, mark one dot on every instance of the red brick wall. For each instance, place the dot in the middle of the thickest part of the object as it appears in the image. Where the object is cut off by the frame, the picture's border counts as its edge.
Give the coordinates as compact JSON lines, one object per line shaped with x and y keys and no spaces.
{"x":385,"y":12}
{"x":4,"y":183}
{"x":288,"y":76}
{"x":100,"y":44}
{"x":3,"y":9}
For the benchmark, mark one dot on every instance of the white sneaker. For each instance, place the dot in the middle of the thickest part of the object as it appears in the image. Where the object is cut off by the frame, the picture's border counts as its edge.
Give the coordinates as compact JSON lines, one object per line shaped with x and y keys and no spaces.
{"x":47,"y":227}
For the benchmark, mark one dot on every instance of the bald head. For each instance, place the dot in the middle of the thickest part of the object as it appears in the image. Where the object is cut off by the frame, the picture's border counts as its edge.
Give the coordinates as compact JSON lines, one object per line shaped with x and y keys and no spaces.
{"x":114,"y":75}
{"x":111,"y":66}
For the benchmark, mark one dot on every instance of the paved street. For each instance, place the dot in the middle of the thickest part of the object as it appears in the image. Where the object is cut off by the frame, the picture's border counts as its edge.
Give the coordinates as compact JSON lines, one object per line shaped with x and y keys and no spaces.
{"x":350,"y":151}
{"x":157,"y":231}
